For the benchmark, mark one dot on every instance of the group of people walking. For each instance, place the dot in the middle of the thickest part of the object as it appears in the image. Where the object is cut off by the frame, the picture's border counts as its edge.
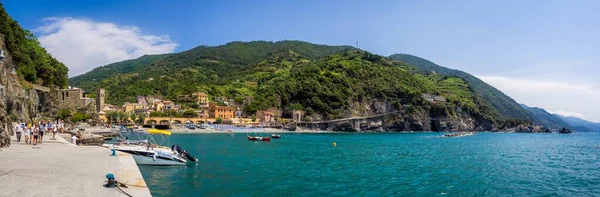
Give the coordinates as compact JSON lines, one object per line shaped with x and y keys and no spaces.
{"x":34,"y":132}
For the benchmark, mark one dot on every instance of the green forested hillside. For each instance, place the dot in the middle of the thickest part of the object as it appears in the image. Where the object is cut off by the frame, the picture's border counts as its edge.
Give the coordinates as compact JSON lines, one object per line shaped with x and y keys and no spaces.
{"x":219,"y":59}
{"x":330,"y":81}
{"x":34,"y":63}
{"x":542,"y":117}
{"x":94,"y":77}
{"x":501,"y":102}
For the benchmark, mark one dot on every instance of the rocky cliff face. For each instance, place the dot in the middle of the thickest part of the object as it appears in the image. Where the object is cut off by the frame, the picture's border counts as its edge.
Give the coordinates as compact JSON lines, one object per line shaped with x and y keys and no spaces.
{"x":413,"y":119}
{"x":18,"y":103}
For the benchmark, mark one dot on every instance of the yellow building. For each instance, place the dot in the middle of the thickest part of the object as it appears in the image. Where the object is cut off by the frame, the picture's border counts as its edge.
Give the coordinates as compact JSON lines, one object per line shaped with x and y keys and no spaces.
{"x":223,"y":112}
{"x":133,"y":107}
{"x":201,"y":99}
{"x":158,"y":106}
{"x":203,"y":113}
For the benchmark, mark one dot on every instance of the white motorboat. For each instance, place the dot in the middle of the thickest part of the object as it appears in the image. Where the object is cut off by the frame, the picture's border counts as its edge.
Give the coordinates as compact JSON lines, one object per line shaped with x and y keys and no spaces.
{"x":153,"y":154}
{"x":147,"y":155}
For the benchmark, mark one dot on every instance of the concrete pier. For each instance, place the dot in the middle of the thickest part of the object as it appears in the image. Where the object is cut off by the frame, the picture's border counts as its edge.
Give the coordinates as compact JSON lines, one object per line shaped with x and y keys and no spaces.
{"x":58,"y":168}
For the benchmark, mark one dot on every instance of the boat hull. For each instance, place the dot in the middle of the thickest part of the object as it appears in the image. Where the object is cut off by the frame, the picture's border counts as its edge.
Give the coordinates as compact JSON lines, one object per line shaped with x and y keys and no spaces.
{"x":145,"y":160}
{"x":147,"y":157}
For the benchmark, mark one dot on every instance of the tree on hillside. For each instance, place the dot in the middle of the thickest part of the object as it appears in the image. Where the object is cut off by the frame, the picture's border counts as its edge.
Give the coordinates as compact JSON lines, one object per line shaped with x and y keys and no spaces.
{"x":133,"y":117}
{"x":63,"y":114}
{"x":110,"y":116}
{"x":121,"y":116}
{"x":80,"y":117}
{"x":190,"y":114}
{"x":33,"y":62}
{"x":156,"y":114}
{"x":142,"y":118}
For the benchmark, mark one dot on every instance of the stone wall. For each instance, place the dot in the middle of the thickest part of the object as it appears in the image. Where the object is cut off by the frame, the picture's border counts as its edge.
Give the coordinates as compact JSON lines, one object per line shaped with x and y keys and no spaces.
{"x":73,"y":99}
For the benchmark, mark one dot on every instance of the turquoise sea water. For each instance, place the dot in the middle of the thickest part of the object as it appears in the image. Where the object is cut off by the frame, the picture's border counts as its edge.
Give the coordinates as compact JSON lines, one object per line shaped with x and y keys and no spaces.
{"x":419,"y":164}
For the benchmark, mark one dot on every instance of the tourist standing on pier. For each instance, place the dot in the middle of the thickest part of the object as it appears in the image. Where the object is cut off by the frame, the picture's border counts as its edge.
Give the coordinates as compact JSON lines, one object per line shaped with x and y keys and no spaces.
{"x":61,"y":126}
{"x":36,"y":133}
{"x":54,"y":130}
{"x":26,"y":133}
{"x":18,"y":131}
{"x":50,"y":128}
{"x":41,"y":129}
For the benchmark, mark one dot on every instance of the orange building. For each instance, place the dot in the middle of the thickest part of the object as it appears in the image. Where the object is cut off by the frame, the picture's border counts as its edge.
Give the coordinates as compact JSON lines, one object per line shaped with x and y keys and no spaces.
{"x":223,"y":112}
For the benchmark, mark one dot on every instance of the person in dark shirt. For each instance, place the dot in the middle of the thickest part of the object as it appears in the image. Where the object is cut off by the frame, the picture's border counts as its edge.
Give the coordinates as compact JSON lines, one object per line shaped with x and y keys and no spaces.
{"x":36,"y":133}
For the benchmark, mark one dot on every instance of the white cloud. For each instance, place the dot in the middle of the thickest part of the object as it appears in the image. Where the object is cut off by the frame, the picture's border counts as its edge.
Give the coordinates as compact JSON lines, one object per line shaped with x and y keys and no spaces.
{"x":561,"y":97}
{"x":568,"y":113}
{"x":86,"y":44}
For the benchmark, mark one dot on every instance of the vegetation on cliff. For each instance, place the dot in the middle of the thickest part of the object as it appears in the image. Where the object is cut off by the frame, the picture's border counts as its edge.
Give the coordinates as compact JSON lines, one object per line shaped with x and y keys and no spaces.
{"x":498,"y":100}
{"x":33,"y":62}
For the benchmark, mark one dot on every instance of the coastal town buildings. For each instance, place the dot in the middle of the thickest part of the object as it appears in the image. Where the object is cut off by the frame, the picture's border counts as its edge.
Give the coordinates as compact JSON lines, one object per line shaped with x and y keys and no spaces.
{"x":75,"y":99}
{"x":269,"y":117}
{"x":201,"y":99}
{"x":100,"y":96}
{"x":207,"y":110}
{"x":142,"y":100}
{"x":135,"y":108}
{"x":109,"y":107}
{"x":203,"y":113}
{"x":170,"y":105}
{"x":223,"y":112}
{"x":297,"y":115}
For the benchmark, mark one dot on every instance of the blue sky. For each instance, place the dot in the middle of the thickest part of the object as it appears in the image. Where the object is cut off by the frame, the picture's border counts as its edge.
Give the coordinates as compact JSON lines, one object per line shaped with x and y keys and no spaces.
{"x":542,"y":53}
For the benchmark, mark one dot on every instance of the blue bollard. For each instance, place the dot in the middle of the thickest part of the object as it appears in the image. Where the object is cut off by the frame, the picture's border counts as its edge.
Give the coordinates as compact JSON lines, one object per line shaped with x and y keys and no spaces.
{"x":114,"y":152}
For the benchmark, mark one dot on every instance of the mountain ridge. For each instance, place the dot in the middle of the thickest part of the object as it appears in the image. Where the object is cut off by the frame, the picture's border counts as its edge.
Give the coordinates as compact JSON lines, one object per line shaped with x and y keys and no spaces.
{"x":548,"y":120}
{"x":329,"y":82}
{"x":581,"y":123}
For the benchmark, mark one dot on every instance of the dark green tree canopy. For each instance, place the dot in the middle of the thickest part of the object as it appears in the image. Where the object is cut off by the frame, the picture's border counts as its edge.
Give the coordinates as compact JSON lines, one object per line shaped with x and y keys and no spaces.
{"x":33,"y":63}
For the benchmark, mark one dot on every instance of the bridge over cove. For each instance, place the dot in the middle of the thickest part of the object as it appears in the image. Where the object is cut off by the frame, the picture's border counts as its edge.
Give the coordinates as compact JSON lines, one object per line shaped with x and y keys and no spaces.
{"x":357,"y":122}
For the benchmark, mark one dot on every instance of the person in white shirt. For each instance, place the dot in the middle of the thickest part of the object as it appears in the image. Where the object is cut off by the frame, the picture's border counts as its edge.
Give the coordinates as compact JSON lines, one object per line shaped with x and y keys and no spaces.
{"x":74,"y":139}
{"x":27,"y":133}
{"x":54,"y":130}
{"x":18,"y":131}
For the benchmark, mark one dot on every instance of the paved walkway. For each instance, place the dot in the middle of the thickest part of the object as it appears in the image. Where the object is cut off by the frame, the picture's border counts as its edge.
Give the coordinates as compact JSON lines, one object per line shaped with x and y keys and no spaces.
{"x":58,"y":168}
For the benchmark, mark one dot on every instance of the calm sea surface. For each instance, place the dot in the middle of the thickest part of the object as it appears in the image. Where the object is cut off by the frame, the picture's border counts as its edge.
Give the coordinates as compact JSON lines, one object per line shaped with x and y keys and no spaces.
{"x":420,"y":164}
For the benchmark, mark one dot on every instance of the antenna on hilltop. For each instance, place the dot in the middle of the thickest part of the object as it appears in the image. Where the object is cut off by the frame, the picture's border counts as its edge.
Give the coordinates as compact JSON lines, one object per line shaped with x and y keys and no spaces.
{"x":357,"y":44}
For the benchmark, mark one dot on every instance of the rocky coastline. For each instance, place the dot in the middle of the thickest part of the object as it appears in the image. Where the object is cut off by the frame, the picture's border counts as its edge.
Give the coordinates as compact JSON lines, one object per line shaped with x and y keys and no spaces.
{"x":19,"y":100}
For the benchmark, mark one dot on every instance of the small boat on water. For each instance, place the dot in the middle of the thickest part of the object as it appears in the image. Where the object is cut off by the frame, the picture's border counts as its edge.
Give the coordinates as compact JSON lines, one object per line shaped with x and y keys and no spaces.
{"x":459,"y":134}
{"x":258,"y":138}
{"x":275,"y":136}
